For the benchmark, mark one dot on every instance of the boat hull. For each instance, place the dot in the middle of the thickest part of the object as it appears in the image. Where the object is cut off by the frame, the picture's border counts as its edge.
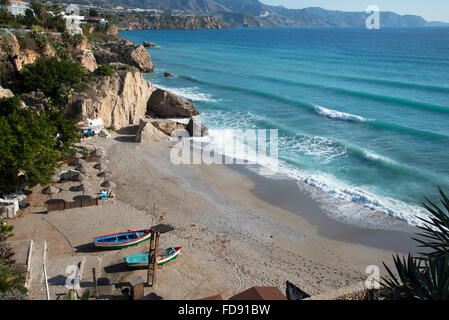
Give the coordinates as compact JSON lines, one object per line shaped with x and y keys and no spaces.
{"x":120,"y":245}
{"x":144,"y":259}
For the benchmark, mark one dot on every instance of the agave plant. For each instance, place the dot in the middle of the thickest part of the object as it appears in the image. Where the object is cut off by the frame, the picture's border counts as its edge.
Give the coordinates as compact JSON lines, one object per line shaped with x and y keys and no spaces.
{"x":424,"y":279}
{"x":436,"y":230}
{"x":73,"y":295}
{"x":426,"y":276}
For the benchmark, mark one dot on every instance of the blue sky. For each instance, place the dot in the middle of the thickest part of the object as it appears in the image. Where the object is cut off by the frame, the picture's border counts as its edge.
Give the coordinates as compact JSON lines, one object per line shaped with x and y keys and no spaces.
{"x":432,"y":10}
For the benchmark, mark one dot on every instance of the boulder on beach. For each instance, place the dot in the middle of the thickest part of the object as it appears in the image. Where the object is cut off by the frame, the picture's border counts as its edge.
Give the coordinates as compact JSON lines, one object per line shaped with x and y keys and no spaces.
{"x":147,"y":44}
{"x":148,"y":133}
{"x":196,"y":128}
{"x":168,"y":126}
{"x":166,"y":104}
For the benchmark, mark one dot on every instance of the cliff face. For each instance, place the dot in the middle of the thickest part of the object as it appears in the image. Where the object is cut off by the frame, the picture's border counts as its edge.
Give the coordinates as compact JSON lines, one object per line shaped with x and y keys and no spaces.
{"x":119,"y":100}
{"x":170,"y":22}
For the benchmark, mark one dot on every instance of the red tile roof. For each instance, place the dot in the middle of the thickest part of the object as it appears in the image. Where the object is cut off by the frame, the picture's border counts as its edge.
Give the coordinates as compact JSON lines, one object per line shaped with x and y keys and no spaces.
{"x":217,"y":297}
{"x":260,"y":293}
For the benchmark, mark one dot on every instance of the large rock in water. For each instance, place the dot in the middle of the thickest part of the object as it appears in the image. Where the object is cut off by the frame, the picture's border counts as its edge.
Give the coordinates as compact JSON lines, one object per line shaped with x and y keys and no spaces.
{"x":196,"y":128}
{"x":166,"y":104}
{"x":119,"y":100}
{"x":125,"y":52}
{"x":147,"y":133}
{"x":147,"y":44}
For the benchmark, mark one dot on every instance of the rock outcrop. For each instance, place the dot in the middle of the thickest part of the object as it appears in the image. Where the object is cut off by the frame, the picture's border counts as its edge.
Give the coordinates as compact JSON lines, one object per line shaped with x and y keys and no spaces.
{"x":166,"y":104}
{"x":148,"y":44}
{"x":125,"y":52}
{"x":16,"y":57}
{"x":87,"y":59}
{"x":148,"y":133}
{"x":196,"y":128}
{"x":168,"y":75}
{"x":119,"y":100}
{"x":5,"y":93}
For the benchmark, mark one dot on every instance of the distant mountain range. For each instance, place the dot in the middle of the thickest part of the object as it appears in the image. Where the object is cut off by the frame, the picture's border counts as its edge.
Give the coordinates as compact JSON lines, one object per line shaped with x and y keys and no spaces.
{"x":253,"y":13}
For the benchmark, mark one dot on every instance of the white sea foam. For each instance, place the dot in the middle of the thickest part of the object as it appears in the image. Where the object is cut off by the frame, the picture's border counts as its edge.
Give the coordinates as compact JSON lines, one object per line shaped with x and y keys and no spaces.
{"x":337,"y":115}
{"x":191,"y":93}
{"x":338,"y":196}
{"x":321,"y":149}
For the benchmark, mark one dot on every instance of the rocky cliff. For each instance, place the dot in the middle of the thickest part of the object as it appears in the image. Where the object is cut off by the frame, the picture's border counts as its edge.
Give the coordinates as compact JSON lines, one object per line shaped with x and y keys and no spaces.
{"x":168,"y":22}
{"x":119,"y":100}
{"x":124,"y":52}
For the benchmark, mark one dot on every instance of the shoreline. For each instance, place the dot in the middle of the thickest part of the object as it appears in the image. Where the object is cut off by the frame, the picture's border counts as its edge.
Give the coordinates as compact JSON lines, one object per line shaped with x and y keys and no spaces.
{"x":291,"y":198}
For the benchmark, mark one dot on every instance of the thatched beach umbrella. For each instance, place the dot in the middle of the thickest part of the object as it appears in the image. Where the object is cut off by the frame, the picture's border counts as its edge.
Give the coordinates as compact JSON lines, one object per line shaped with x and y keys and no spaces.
{"x":100,"y":166}
{"x":108,"y":184}
{"x":84,"y":188}
{"x":50,"y":190}
{"x":105,"y":174}
{"x":81,"y":168}
{"x":80,"y":177}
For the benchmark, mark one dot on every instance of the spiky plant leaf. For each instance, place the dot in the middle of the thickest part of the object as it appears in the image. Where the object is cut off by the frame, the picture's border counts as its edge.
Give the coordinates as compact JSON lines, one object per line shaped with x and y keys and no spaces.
{"x":435,"y":232}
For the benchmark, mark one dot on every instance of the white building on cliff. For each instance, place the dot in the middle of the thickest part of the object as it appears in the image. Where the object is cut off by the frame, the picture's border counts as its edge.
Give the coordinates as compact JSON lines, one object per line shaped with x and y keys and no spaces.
{"x":17,"y":7}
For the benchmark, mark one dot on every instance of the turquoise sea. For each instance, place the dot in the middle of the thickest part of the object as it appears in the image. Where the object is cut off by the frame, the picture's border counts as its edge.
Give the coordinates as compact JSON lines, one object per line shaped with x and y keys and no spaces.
{"x":362,"y":114}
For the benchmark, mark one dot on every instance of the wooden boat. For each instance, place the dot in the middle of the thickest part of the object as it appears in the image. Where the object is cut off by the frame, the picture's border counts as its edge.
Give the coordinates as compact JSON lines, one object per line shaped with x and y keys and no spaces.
{"x":140,"y":260}
{"x":122,"y":239}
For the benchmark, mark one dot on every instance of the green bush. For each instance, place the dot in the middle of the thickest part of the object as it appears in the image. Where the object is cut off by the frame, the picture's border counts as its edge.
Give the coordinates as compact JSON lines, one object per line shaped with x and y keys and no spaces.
{"x":105,"y":71}
{"x":51,"y":76}
{"x":10,"y":280}
{"x":29,"y":142}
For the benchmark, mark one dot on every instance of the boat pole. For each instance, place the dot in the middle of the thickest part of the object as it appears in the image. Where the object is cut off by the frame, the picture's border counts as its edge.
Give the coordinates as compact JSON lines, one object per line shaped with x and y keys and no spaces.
{"x":150,"y":254}
{"x":155,"y":258}
{"x":95,"y":283}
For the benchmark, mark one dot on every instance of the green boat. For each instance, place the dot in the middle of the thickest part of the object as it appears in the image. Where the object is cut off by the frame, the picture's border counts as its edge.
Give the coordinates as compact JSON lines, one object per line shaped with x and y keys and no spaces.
{"x":140,"y":260}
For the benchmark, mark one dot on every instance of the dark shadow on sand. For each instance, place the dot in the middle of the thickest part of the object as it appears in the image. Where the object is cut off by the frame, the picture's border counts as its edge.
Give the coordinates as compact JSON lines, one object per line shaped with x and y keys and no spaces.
{"x":127,"y":139}
{"x":58,"y":280}
{"x":87,"y":248}
{"x":129,"y":130}
{"x":118,"y":267}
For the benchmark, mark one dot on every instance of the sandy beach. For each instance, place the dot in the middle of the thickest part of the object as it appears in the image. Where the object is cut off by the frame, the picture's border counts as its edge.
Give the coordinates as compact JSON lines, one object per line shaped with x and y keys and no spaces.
{"x":238,"y":229}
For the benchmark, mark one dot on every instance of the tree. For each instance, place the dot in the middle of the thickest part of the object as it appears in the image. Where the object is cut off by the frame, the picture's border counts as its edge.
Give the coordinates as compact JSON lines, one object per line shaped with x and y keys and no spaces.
{"x":50,"y":76}
{"x":29,"y":143}
{"x":5,"y":3}
{"x":93,"y":13}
